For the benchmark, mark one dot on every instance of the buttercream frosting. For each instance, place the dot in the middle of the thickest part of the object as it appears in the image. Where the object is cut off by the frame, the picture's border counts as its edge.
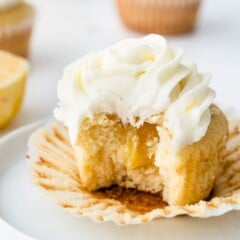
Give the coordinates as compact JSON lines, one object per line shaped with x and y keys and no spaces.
{"x":137,"y":79}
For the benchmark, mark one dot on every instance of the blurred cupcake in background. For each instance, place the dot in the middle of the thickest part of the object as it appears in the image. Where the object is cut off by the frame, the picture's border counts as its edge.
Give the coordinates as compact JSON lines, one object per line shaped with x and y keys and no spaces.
{"x":159,"y":16}
{"x":16,"y":20}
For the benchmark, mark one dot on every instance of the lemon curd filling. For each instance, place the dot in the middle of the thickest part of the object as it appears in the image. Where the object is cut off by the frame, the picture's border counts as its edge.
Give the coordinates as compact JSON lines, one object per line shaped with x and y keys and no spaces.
{"x":141,"y":145}
{"x":106,"y":137}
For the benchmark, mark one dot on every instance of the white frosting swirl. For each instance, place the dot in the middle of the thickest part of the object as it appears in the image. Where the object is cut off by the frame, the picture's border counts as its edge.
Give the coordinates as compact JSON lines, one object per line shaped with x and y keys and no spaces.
{"x":4,"y":4}
{"x":137,"y":79}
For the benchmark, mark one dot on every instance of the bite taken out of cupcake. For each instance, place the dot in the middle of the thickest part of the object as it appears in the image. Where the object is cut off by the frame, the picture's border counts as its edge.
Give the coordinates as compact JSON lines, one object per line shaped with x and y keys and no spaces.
{"x":138,"y":137}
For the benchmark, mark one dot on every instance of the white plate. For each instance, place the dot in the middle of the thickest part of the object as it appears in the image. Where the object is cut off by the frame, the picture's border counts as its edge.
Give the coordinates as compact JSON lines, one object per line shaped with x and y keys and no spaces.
{"x":27,"y":214}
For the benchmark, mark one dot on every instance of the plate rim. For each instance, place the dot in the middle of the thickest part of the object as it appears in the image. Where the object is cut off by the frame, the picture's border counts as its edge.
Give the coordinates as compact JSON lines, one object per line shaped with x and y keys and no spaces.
{"x":6,"y":229}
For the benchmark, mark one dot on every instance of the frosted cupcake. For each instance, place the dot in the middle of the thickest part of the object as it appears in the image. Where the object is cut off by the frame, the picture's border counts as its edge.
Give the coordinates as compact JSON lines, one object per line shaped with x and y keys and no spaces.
{"x":138,"y":117}
{"x":16,"y":20}
{"x":159,"y":16}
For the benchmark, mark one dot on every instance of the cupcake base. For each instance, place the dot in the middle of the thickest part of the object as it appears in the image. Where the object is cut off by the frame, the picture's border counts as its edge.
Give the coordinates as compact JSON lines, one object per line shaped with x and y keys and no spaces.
{"x":54,"y":169}
{"x":163,"y":17}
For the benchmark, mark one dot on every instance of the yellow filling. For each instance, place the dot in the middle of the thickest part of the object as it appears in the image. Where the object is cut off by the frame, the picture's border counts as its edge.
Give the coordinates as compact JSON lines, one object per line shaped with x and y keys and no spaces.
{"x":139,"y":146}
{"x":111,"y":139}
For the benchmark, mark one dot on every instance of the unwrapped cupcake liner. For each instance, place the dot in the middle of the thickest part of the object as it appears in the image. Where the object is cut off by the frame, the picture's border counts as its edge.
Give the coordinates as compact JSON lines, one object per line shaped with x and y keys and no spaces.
{"x":54,"y":169}
{"x":159,"y":16}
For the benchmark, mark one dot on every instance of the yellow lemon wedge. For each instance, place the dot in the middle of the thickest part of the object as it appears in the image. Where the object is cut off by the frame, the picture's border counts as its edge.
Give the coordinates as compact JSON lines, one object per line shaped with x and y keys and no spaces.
{"x":13,"y":74}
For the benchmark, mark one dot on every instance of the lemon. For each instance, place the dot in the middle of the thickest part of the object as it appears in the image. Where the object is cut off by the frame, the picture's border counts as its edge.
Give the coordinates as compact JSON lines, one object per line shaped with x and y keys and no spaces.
{"x":13,"y":74}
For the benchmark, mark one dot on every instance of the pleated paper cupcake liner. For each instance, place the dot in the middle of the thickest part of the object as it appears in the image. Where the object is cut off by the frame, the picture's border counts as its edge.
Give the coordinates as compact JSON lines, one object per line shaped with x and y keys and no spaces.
{"x":54,"y":169}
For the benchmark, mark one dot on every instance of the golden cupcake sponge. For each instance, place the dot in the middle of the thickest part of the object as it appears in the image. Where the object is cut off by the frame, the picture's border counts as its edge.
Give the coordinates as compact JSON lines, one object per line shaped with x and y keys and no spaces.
{"x":109,"y":153}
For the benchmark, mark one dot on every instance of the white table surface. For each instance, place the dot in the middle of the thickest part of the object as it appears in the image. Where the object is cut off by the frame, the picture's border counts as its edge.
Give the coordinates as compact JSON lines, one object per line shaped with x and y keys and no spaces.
{"x":66,"y":29}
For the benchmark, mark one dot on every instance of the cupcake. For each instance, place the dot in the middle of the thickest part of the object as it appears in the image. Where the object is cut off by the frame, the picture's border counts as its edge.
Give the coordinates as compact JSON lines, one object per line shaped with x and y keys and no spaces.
{"x":159,"y":16}
{"x":140,"y":118}
{"x":16,"y":20}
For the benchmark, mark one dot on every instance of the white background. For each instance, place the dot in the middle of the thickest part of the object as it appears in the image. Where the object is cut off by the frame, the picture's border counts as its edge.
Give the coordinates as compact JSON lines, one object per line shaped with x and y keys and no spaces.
{"x":66,"y":29}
